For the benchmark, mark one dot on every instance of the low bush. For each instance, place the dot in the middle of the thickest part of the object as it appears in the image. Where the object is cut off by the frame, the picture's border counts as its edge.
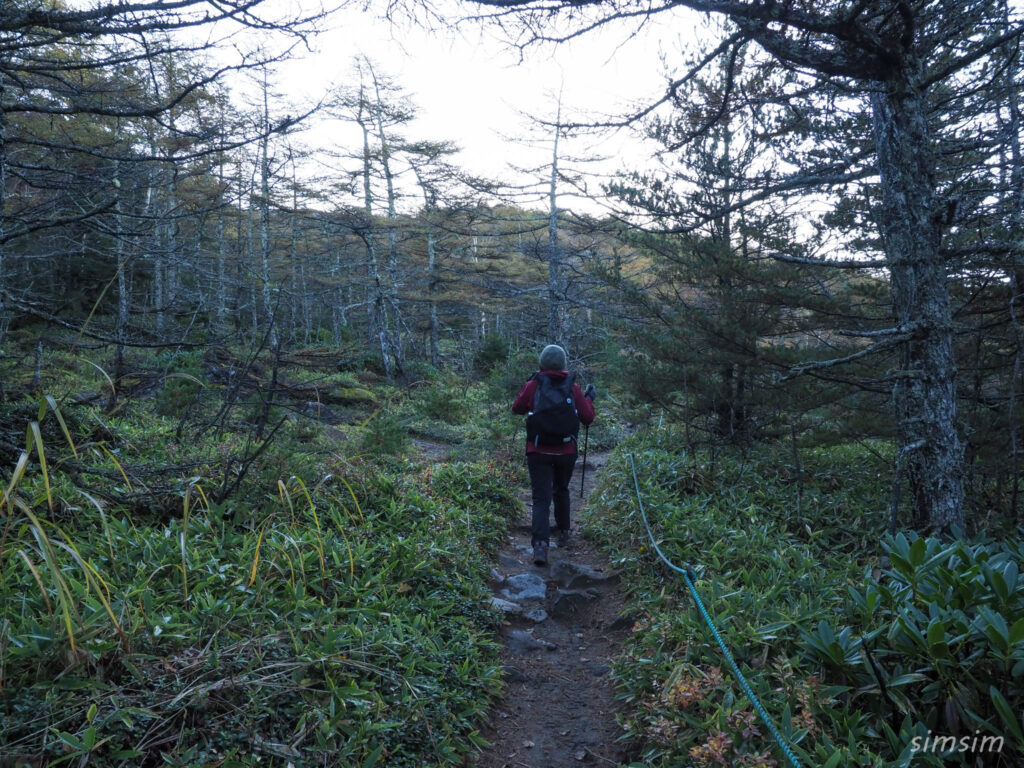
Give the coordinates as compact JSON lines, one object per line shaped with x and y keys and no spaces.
{"x":384,"y":434}
{"x":444,"y":401}
{"x":492,"y":353}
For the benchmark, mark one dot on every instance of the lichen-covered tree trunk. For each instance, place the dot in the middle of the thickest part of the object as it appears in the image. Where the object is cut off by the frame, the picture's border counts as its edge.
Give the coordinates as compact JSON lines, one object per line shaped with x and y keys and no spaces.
{"x":123,"y":300}
{"x":375,"y":301}
{"x":924,"y":395}
{"x":3,"y":214}
{"x":1015,"y":271}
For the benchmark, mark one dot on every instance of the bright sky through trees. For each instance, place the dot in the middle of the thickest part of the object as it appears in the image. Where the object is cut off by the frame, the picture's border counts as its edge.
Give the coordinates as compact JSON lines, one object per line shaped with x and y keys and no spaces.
{"x":472,"y":88}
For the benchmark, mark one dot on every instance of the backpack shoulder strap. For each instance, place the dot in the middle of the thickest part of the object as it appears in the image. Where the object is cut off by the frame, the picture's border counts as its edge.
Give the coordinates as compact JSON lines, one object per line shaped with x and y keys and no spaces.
{"x":540,"y":379}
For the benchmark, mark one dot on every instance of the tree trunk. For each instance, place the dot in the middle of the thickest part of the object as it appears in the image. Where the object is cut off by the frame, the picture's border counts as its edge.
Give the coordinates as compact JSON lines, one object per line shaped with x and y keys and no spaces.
{"x":924,"y":395}
{"x":556,"y":287}
{"x":3,"y":215}
{"x":1016,"y":270}
{"x":268,"y":302}
{"x":391,"y":319}
{"x":222,"y":274}
{"x":378,"y":301}
{"x":435,"y":341}
{"x":159,"y":295}
{"x":123,"y":301}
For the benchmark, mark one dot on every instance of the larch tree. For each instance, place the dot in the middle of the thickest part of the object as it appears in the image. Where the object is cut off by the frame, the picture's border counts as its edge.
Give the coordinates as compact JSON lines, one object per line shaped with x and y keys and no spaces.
{"x":438,"y":181}
{"x":380,"y":110}
{"x":549,"y":234}
{"x":62,"y":63}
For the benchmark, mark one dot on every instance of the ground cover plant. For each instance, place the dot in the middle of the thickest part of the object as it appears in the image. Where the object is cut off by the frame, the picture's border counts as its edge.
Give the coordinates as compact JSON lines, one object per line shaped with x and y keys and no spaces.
{"x":866,"y":649}
{"x":211,"y":596}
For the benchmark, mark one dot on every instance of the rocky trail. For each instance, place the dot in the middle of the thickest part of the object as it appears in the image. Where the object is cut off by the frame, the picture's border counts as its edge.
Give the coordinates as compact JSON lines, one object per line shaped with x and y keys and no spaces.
{"x":562,"y":631}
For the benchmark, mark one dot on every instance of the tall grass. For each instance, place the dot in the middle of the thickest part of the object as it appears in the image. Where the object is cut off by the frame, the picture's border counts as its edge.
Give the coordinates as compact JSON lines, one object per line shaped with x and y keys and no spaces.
{"x":297,"y":625}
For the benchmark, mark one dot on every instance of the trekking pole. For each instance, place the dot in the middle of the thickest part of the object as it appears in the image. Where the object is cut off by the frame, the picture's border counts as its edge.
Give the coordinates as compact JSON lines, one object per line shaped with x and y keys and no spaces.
{"x":586,"y":439}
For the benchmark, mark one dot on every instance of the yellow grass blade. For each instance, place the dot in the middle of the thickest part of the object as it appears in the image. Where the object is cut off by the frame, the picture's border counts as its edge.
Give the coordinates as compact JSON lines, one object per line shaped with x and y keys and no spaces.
{"x":184,"y":566}
{"x":103,"y":522}
{"x":117,"y":464}
{"x":50,"y":558}
{"x":202,"y":495}
{"x":63,"y":425}
{"x":34,"y":432}
{"x":286,"y":499}
{"x":256,"y":558}
{"x":312,"y":507}
{"x":99,"y":300}
{"x":110,"y":381}
{"x":39,"y":580}
{"x":354,"y":499}
{"x":316,"y":522}
{"x":351,"y":559}
{"x":92,"y":577}
{"x":19,"y":472}
{"x":189,"y":376}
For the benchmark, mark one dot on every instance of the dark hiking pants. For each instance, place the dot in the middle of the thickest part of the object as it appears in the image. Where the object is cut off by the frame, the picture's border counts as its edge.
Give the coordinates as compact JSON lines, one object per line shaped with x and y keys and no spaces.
{"x":549,"y":479}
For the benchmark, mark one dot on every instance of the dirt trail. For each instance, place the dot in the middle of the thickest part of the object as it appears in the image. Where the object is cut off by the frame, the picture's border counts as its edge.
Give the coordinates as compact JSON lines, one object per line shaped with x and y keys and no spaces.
{"x":562,"y":632}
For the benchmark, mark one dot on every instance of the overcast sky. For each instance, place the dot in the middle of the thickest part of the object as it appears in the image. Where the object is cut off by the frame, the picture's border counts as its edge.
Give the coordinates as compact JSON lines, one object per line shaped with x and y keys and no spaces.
{"x":473,"y":89}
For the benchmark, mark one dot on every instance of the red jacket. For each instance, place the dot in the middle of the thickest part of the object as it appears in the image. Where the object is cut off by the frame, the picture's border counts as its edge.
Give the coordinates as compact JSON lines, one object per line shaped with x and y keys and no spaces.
{"x":524,"y":404}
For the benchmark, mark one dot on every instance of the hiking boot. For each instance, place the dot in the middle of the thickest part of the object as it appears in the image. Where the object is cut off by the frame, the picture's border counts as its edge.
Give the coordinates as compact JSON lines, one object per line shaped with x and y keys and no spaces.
{"x":563,"y":539}
{"x":540,"y":553}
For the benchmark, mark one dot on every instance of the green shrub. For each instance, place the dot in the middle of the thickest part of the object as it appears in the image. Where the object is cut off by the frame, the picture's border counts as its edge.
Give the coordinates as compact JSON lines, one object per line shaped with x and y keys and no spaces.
{"x":444,"y":401}
{"x":492,"y":353}
{"x":177,"y":396}
{"x":813,"y":615}
{"x":311,"y":624}
{"x":947,"y":622}
{"x":384,"y":435}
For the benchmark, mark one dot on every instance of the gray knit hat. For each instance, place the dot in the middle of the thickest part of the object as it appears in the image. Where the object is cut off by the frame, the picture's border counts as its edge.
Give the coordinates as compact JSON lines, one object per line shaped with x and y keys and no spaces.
{"x":553,"y":358}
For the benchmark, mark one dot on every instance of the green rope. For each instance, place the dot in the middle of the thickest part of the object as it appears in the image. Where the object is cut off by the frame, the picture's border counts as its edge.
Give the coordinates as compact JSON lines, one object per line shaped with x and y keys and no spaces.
{"x":690,"y":578}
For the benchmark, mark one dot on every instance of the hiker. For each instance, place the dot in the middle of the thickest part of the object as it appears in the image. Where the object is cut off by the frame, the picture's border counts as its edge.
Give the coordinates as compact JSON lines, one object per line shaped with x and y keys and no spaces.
{"x":555,"y":408}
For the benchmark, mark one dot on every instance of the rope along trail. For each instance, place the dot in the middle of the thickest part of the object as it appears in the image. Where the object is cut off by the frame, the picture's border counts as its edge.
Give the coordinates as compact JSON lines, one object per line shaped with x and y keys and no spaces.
{"x":690,"y":578}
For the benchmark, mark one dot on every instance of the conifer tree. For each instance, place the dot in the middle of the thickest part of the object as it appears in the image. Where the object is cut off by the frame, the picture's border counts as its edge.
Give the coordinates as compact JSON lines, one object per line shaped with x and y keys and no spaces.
{"x":910,"y":66}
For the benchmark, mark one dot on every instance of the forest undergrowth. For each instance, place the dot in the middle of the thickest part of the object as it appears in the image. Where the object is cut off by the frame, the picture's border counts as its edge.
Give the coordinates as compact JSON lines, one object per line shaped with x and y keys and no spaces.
{"x":255,"y":569}
{"x":202,"y":569}
{"x":866,"y":649}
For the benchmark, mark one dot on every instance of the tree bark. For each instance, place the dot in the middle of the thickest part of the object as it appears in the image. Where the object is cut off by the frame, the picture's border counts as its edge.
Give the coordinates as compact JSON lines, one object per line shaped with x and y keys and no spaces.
{"x":924,"y":396}
{"x":3,"y":213}
{"x":376,"y":305}
{"x":435,"y":336}
{"x":1016,"y":270}
{"x":123,"y":299}
{"x":222,"y":275}
{"x":556,"y":281}
{"x":268,"y":302}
